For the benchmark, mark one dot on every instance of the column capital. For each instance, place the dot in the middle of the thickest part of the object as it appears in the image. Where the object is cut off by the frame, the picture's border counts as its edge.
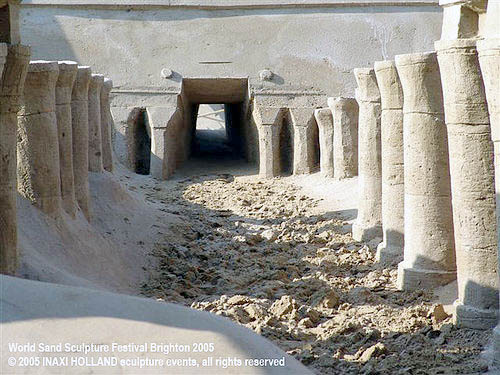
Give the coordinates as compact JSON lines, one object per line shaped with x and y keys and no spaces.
{"x":160,"y":117}
{"x":367,"y":89}
{"x":65,"y":81}
{"x":267,"y":115}
{"x":421,"y":82}
{"x":389,"y":84}
{"x":81,"y":86}
{"x":302,"y":116}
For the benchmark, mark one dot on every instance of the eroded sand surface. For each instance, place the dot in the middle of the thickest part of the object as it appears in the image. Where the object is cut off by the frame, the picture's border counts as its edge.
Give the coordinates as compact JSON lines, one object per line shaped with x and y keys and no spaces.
{"x":269,"y":257}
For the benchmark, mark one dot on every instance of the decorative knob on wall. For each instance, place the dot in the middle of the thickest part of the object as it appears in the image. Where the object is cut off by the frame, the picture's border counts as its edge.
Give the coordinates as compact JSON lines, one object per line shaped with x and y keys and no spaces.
{"x":166,"y":73}
{"x":266,"y":75}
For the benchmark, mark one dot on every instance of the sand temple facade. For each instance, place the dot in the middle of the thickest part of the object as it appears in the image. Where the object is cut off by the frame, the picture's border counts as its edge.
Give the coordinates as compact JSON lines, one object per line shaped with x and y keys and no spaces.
{"x":400,"y":99}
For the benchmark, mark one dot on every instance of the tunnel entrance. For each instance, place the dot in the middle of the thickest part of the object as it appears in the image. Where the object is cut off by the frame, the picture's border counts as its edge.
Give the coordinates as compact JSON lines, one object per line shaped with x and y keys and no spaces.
{"x":217,"y":131}
{"x":209,"y":120}
{"x":142,"y":144}
{"x":219,"y":125}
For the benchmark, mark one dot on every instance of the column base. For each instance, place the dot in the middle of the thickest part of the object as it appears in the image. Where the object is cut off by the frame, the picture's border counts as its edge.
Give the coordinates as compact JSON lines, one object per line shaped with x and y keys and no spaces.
{"x":360,"y":233}
{"x":413,"y":278}
{"x":471,"y":317}
{"x":388,"y":254}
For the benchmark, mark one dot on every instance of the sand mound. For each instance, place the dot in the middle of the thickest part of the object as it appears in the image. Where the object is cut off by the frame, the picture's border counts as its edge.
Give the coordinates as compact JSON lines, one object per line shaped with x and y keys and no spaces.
{"x":109,"y":253}
{"x":51,"y":314}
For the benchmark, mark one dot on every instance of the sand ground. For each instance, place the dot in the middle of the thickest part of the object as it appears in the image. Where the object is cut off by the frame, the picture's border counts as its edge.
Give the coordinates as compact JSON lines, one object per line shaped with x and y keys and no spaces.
{"x":275,"y":256}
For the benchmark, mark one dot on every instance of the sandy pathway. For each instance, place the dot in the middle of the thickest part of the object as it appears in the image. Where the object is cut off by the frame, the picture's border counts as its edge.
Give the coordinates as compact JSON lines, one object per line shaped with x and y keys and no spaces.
{"x":276,"y":260}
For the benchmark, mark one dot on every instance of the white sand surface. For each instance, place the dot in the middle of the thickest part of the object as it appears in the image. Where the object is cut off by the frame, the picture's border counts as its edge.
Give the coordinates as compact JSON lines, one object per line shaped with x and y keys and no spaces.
{"x":49,"y":314}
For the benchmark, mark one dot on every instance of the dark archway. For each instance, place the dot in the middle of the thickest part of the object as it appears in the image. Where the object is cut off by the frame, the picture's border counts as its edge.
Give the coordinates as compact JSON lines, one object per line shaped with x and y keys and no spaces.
{"x":142,"y":144}
{"x":217,"y":131}
{"x":286,"y":145}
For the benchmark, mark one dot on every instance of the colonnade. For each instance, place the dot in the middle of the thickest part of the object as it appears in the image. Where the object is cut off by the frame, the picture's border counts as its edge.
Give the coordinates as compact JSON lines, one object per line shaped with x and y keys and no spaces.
{"x":440,"y":145}
{"x":53,"y":121}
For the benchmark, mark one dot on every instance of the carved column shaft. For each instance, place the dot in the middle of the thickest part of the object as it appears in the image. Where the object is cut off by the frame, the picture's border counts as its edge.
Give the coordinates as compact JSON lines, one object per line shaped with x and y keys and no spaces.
{"x":106,"y":126}
{"x":391,"y":249}
{"x":14,"y":65}
{"x":268,"y":127}
{"x":345,"y":113}
{"x":472,"y":183}
{"x":368,"y":224}
{"x":489,"y":59}
{"x":80,"y":128}
{"x":429,"y":249}
{"x":305,"y":137}
{"x":38,"y":170}
{"x":324,"y":120}
{"x":64,"y":88}
{"x":95,"y":140}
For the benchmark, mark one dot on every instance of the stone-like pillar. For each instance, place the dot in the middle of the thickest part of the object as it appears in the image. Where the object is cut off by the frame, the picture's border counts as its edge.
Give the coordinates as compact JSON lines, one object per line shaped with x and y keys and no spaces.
{"x":268,"y":124}
{"x":165,"y":145}
{"x":391,"y":92}
{"x":324,"y":120}
{"x":345,"y":136}
{"x":106,"y":125}
{"x":38,"y":146}
{"x":472,"y":183}
{"x":489,"y":59}
{"x":64,"y":88}
{"x":429,"y":249}
{"x":14,"y":64}
{"x":80,"y":128}
{"x":368,"y":224}
{"x":305,"y":140}
{"x":95,"y":141}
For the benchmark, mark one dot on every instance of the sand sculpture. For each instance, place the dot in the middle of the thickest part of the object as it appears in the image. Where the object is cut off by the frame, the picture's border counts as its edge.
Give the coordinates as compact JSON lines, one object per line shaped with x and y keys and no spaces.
{"x":489,"y":59}
{"x":424,"y":139}
{"x":429,"y":251}
{"x":345,"y":136}
{"x":38,"y":169}
{"x":14,"y":60}
{"x":391,"y":93}
{"x":80,"y":127}
{"x":106,"y":126}
{"x":324,"y":120}
{"x":64,"y":88}
{"x":368,"y":225}
{"x":95,"y":140}
{"x":471,"y":170}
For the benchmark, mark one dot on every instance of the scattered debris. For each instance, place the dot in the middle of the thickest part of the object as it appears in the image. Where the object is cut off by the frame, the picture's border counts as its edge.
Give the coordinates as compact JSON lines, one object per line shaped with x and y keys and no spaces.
{"x":257,"y":252}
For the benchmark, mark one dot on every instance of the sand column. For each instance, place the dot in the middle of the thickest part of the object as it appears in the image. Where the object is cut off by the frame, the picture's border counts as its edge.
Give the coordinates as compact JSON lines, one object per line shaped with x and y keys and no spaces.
{"x":324,"y":120}
{"x":80,"y":127}
{"x":472,"y":183}
{"x":305,"y":140}
{"x":165,"y":144}
{"x":64,"y":87}
{"x":489,"y":59}
{"x":38,"y":170}
{"x":14,"y":61}
{"x":106,"y":125}
{"x":391,"y":93}
{"x":95,"y":141}
{"x":163,"y":161}
{"x":345,"y":136}
{"x":429,"y":250}
{"x":268,"y":124}
{"x":368,"y":224}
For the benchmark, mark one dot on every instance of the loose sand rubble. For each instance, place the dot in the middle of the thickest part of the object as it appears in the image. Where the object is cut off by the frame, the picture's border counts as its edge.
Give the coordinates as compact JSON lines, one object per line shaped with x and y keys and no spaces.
{"x":258,"y":252}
